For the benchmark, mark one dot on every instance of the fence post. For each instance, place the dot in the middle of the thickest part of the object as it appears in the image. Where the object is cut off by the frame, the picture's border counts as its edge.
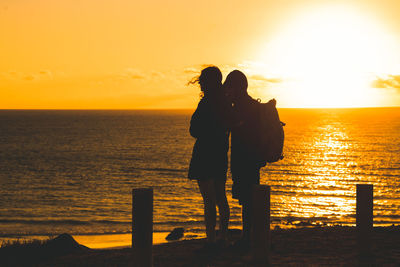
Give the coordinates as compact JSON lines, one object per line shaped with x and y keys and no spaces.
{"x":364,"y":220}
{"x":261,"y":223}
{"x":142,"y":227}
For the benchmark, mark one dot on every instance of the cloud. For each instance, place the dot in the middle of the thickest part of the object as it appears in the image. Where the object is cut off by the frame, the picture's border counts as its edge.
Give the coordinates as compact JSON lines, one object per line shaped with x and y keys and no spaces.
{"x":41,"y":75}
{"x":46,"y":74}
{"x":388,"y":82}
{"x":157,"y":75}
{"x":196,"y":69}
{"x":192,"y":70}
{"x":138,"y":75}
{"x":133,"y":74}
{"x":29,"y":77}
{"x":261,"y":78}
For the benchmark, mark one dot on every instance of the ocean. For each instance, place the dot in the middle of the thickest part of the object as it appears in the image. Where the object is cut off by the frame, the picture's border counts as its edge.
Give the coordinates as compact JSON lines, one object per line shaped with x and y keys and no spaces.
{"x":74,"y":171}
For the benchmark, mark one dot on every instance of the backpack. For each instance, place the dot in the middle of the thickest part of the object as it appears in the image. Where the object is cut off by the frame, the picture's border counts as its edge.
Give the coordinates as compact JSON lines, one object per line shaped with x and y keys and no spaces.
{"x":271,"y":134}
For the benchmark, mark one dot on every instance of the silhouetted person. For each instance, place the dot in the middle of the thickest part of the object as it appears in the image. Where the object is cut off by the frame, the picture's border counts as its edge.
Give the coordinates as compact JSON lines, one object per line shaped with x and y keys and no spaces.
{"x":245,"y":165}
{"x":209,"y":159}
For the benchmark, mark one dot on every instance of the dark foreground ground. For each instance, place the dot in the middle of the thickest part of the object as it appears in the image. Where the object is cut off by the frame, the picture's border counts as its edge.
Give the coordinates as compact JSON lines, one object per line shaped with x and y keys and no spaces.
{"x":332,"y":246}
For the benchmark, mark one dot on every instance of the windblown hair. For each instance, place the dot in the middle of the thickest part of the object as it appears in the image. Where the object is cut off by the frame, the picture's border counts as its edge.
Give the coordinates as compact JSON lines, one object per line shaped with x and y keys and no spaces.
{"x":208,"y":75}
{"x":210,"y":78}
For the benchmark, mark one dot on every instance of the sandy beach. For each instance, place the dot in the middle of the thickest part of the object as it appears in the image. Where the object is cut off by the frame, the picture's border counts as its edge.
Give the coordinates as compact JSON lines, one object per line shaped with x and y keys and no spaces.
{"x":115,"y":240}
{"x":333,"y":246}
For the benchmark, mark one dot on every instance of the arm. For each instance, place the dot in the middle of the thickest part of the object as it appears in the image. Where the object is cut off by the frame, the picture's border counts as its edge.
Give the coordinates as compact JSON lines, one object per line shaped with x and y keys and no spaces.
{"x":194,"y":125}
{"x":197,"y":121}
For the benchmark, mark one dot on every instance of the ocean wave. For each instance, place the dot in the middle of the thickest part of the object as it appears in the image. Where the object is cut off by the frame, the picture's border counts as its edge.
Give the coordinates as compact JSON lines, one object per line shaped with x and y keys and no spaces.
{"x":391,"y":169}
{"x":92,"y":222}
{"x":392,"y":216}
{"x":311,"y":194}
{"x":289,"y":172}
{"x":161,"y":170}
{"x":51,"y":234}
{"x":60,"y":222}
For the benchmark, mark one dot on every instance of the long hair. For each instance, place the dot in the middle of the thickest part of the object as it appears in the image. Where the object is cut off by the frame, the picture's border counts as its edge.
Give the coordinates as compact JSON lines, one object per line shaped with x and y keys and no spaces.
{"x":210,"y":79}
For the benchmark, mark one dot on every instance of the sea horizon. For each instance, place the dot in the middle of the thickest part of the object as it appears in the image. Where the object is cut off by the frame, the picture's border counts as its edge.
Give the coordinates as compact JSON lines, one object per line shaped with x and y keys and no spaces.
{"x":182,"y":109}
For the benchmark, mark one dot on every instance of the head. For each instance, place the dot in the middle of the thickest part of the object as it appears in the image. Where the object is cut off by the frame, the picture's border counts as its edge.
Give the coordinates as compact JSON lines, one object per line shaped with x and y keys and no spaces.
{"x":236,"y":85}
{"x":210,"y":80}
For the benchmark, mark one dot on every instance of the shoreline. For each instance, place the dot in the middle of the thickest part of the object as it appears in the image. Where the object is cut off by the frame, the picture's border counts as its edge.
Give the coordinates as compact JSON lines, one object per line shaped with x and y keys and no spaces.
{"x":119,"y":241}
{"x":106,"y":241}
{"x":124,"y":240}
{"x":332,"y":246}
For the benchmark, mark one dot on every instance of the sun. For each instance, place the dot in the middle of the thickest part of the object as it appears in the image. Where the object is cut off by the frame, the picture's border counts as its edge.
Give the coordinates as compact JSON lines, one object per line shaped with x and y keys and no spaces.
{"x":327,"y":56}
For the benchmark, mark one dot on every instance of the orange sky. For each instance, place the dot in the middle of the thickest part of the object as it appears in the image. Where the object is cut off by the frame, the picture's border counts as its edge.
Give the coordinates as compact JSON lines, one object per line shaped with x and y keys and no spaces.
{"x":121,"y":54}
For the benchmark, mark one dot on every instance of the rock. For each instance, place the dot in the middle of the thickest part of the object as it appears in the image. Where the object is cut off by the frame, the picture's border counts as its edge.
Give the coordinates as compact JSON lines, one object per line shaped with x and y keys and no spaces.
{"x":175,"y":234}
{"x":33,"y":252}
{"x":64,"y":244}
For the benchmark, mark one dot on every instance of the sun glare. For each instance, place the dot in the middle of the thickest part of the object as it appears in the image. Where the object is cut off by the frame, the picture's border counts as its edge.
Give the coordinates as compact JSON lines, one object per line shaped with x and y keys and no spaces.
{"x":327,"y":57}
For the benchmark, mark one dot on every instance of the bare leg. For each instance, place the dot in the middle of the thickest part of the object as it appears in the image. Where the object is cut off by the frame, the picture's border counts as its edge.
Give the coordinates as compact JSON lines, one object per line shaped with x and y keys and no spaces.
{"x":210,"y":213}
{"x":223,"y":209}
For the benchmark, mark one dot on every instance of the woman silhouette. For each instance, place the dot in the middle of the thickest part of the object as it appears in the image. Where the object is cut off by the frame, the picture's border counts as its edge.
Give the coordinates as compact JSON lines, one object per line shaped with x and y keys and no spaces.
{"x":209,"y":159}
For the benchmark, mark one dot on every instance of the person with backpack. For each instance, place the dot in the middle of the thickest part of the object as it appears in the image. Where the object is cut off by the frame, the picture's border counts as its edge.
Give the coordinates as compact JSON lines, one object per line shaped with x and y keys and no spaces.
{"x":209,"y":162}
{"x":250,"y":145}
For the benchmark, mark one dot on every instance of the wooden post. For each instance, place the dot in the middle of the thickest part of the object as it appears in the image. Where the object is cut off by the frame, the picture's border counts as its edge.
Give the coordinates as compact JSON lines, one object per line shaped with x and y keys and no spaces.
{"x":364,"y":220}
{"x":142,"y":227}
{"x":260,"y":233}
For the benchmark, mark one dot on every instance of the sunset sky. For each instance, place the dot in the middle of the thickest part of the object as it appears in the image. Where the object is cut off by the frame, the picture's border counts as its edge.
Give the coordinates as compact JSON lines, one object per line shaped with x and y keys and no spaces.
{"x":124,"y":54}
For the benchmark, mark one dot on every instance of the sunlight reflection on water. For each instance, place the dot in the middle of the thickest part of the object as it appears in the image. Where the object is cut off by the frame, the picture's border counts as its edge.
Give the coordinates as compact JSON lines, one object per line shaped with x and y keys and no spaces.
{"x":343,"y":150}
